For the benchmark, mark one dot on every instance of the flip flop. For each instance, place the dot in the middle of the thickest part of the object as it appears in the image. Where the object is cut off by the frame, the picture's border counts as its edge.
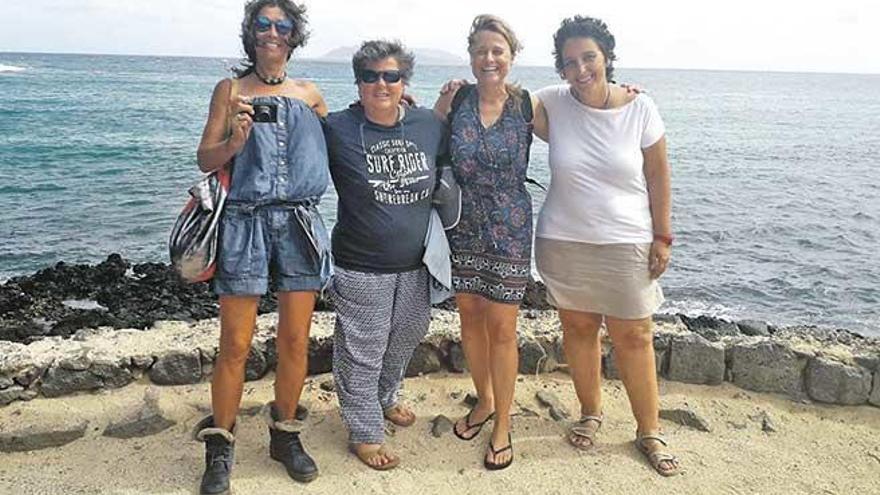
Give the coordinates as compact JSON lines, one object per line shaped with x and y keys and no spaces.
{"x":469,"y":426}
{"x":491,"y":466}
{"x":399,"y":408}
{"x":368,"y":456}
{"x":657,"y":457}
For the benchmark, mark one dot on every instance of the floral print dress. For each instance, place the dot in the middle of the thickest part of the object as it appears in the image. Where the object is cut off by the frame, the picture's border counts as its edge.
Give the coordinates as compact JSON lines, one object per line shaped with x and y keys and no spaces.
{"x":492,"y":243}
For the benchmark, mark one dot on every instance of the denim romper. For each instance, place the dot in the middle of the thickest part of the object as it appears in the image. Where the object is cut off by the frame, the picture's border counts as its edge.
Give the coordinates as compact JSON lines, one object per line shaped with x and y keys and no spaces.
{"x":271,"y":228}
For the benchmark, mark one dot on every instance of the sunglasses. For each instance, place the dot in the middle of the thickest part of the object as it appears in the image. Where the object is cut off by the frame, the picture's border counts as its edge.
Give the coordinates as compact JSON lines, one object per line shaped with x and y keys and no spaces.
{"x":371,"y":76}
{"x":283,"y":27}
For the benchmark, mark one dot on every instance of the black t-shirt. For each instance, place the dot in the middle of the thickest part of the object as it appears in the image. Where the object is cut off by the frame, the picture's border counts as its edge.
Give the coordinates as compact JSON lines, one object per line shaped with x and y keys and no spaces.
{"x":384,"y":177}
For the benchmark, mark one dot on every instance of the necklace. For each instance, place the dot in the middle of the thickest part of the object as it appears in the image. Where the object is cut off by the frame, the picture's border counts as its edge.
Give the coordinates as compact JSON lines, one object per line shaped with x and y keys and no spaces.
{"x":271,"y":81}
{"x":604,"y":103}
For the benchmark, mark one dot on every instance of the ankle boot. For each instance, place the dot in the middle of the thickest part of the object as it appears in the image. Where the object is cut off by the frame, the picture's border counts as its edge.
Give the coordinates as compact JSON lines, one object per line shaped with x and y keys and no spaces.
{"x":286,"y":447}
{"x":219,"y":456}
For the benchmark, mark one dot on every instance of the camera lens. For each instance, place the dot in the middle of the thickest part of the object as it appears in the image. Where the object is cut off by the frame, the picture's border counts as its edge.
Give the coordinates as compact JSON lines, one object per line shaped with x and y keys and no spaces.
{"x":262,"y":114}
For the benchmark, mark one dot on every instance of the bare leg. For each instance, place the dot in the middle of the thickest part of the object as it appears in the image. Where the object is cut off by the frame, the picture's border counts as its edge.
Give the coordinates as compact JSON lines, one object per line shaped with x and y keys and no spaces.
{"x":503,"y":363}
{"x":634,"y":355}
{"x":238,"y":315}
{"x":475,"y":344}
{"x":292,"y":343}
{"x":583,"y":353}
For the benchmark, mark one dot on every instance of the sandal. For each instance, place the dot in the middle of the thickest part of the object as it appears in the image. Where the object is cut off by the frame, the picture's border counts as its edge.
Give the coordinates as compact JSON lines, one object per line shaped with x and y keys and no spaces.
{"x":657,"y":457}
{"x":491,"y":466}
{"x":400,"y":411}
{"x":470,"y":426}
{"x":579,"y":431}
{"x":366,"y":457}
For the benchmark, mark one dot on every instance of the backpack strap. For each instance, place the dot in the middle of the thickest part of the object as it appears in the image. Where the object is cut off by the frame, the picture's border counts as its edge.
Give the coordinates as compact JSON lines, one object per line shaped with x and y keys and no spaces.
{"x":526,"y":106}
{"x":457,"y":100}
{"x":528,"y":115}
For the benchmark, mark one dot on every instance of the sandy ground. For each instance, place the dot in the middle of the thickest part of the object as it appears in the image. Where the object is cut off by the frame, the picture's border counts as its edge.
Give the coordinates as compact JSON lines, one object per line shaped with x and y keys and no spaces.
{"x":817,"y":449}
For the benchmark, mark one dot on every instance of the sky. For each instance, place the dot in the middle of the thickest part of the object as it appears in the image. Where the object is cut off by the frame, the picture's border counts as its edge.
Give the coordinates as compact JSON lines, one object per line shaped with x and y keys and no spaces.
{"x":777,"y":35}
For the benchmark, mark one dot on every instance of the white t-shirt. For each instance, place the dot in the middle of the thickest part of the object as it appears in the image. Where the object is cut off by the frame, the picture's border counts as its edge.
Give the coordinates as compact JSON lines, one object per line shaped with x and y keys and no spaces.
{"x":598,"y":192}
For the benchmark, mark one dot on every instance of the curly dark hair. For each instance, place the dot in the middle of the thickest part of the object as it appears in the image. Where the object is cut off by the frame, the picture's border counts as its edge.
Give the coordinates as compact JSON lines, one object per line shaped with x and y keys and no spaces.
{"x":376,"y":50}
{"x":297,"y":38}
{"x":585,"y":27}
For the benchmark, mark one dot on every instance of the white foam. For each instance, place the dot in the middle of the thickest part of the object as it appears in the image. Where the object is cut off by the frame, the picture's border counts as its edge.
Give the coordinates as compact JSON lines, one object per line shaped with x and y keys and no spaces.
{"x":11,"y":68}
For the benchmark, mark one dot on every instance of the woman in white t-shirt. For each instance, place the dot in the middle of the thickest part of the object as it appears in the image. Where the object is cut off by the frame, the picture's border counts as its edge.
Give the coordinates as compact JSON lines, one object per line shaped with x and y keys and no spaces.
{"x":604,"y":233}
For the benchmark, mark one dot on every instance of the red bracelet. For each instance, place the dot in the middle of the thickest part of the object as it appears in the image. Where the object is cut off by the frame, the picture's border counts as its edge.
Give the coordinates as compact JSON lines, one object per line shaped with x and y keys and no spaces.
{"x":664,"y":238}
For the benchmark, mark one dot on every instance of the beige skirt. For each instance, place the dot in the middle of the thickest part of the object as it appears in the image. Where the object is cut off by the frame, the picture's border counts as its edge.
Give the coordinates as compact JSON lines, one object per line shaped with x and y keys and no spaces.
{"x":608,"y":279}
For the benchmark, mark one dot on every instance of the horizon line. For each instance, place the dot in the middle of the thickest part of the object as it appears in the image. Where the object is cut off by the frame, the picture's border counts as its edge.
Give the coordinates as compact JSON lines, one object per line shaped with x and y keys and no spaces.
{"x":336,"y":61}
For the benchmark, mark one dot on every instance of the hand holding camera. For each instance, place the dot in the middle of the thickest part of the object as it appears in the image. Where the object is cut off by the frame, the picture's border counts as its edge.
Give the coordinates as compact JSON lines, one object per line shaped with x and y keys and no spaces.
{"x":246,"y":114}
{"x":241,"y":108}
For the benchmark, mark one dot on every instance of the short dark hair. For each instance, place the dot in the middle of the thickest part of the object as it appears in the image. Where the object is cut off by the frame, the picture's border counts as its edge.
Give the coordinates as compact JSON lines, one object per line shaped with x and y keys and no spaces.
{"x":585,"y":27}
{"x":296,"y":39}
{"x":376,"y":50}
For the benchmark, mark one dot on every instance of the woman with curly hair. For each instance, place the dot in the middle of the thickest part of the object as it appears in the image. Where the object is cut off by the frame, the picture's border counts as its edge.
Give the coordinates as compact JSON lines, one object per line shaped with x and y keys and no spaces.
{"x":604,"y":233}
{"x":268,"y":127}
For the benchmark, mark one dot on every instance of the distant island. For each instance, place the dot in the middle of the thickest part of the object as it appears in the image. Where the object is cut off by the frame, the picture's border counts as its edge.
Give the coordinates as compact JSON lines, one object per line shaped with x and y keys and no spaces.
{"x":424,"y":56}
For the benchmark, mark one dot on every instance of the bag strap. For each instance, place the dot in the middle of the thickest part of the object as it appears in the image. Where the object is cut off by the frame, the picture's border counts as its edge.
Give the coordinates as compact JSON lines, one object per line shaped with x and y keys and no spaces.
{"x":224,"y":173}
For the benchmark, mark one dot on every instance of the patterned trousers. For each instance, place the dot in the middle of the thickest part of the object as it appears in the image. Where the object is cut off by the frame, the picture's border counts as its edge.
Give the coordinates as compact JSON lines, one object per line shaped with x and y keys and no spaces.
{"x":380,"y":319}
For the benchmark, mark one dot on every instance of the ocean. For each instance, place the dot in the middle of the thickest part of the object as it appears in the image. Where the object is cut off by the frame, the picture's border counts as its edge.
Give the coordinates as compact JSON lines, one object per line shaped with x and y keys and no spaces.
{"x":776,"y":188}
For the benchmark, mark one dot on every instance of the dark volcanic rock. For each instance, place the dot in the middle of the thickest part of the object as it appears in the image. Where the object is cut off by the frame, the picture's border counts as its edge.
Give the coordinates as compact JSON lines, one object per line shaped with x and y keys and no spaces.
{"x":112,"y":375}
{"x":68,"y":325}
{"x":320,"y":355}
{"x":441,"y":425}
{"x":177,"y":368}
{"x":710,"y":327}
{"x":455,"y":357}
{"x":754,"y":328}
{"x":536,"y":295}
{"x":13,"y":299}
{"x":534,"y":358}
{"x":10,"y":394}
{"x":686,"y":416}
{"x":60,"y":381}
{"x":548,"y":399}
{"x":24,"y":331}
{"x":256,"y":366}
{"x":425,"y":359}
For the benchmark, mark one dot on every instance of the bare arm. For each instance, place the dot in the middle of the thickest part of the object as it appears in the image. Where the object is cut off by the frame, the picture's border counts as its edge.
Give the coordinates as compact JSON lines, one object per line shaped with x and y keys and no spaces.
{"x":215,"y":147}
{"x":658,"y":179}
{"x":444,"y":104}
{"x":316,"y":99}
{"x":541,"y":123}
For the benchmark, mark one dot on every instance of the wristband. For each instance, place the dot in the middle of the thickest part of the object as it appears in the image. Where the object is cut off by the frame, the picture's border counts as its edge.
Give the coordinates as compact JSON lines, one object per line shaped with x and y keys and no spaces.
{"x":664,"y":238}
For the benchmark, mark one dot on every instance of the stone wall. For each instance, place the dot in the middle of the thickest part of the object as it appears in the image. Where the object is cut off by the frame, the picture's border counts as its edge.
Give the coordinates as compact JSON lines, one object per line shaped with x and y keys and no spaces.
{"x":834,"y":367}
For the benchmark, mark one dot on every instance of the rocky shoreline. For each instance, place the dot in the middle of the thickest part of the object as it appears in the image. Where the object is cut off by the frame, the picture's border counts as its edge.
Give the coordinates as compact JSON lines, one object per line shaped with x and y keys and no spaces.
{"x":77,"y":328}
{"x":58,"y":301}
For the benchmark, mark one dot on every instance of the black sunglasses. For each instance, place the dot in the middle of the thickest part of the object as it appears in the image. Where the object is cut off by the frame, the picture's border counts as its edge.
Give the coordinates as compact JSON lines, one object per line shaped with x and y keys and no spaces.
{"x":283,"y":26}
{"x":371,"y":76}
